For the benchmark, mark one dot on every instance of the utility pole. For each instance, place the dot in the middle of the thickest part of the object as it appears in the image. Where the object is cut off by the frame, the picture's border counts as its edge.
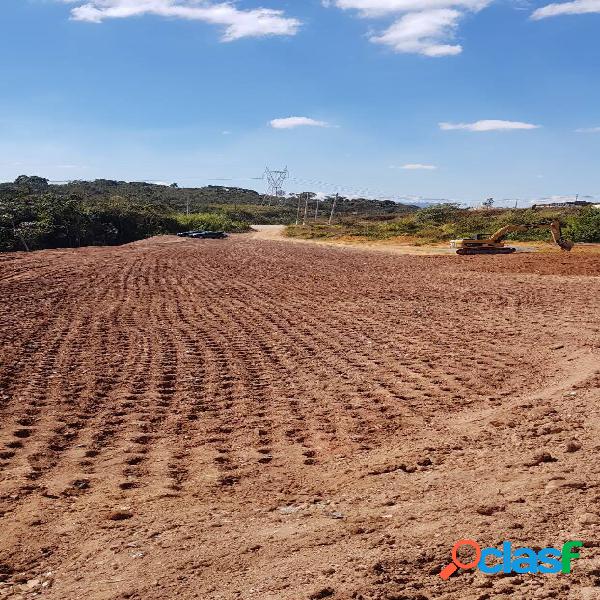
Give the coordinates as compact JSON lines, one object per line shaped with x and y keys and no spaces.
{"x":333,"y":208}
{"x":187,"y":207}
{"x":317,"y":208}
{"x":305,"y":208}
{"x":298,"y":211}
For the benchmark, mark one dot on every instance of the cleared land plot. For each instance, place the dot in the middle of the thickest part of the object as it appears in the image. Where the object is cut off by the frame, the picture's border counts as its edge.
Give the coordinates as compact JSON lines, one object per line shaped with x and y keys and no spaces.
{"x":253,"y":419}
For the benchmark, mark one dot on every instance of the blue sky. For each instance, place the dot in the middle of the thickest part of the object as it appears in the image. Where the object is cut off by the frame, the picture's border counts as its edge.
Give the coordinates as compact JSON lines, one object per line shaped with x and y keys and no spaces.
{"x":457,"y":99}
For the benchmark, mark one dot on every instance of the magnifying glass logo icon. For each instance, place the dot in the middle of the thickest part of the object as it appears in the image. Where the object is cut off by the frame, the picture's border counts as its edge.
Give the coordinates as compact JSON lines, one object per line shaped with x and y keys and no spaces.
{"x":456,"y":563}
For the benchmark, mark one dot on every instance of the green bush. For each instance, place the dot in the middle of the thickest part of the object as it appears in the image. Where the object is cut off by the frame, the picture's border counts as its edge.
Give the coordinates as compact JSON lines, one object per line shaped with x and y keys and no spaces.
{"x":437,"y":214}
{"x":119,"y":221}
{"x":50,"y":220}
{"x":403,"y":226}
{"x":584,"y":227}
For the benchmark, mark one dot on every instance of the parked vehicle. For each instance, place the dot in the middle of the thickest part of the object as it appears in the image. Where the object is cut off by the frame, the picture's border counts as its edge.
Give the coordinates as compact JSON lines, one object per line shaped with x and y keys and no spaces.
{"x":204,"y":235}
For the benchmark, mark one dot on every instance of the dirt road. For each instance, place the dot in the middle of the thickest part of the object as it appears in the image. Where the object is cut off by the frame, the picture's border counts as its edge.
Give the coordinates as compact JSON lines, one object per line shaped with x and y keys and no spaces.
{"x":253,"y":419}
{"x":391,"y":246}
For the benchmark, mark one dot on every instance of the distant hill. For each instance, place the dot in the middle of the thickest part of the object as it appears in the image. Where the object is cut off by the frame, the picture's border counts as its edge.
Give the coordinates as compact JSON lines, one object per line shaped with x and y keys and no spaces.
{"x":205,"y":199}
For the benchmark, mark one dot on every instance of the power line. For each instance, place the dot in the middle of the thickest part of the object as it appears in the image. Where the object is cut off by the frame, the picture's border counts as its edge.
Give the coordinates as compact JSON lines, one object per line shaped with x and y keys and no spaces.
{"x":354,"y":191}
{"x":275,"y":181}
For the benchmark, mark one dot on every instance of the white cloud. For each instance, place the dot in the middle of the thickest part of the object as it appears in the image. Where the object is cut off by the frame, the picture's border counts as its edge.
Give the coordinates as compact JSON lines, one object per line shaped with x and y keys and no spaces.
{"x":417,"y":167}
{"x":577,"y":7}
{"x":488,"y":125}
{"x":588,"y":130}
{"x":420,"y":27}
{"x":238,"y":23}
{"x":293,"y":122}
{"x":377,"y":8}
{"x":422,"y":33}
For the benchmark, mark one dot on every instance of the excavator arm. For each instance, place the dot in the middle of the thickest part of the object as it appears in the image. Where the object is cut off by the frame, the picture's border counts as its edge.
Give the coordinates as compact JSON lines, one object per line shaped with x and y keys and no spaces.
{"x":565,"y":245}
{"x":499,"y":235}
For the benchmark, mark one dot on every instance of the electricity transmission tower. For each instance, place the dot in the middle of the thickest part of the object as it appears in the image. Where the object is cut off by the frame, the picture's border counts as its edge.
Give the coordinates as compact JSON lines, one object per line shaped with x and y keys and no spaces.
{"x":275,"y":180}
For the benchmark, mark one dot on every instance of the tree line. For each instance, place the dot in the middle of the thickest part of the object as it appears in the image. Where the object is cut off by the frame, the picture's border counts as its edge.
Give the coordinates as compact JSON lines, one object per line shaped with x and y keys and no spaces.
{"x":35,"y":214}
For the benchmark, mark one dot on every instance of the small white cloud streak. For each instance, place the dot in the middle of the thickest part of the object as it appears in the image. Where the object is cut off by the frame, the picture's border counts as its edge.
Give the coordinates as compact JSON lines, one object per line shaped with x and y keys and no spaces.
{"x":418,"y":167}
{"x":488,"y":125}
{"x":556,"y":9}
{"x":379,"y":8}
{"x":238,"y":23}
{"x":293,"y":122}
{"x":588,"y":130}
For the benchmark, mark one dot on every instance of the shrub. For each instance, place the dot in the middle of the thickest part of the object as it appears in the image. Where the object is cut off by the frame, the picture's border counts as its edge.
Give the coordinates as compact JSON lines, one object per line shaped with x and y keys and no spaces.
{"x":447,"y":221}
{"x":438,"y":213}
{"x":403,"y":226}
{"x":584,"y":227}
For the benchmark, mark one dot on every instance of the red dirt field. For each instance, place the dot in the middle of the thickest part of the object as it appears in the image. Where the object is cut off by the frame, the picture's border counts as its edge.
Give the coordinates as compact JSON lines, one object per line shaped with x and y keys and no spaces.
{"x":259,"y":420}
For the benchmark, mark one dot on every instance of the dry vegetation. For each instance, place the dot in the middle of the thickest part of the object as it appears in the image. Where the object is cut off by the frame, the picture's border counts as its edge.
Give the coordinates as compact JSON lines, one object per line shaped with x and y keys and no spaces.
{"x":444,"y":222}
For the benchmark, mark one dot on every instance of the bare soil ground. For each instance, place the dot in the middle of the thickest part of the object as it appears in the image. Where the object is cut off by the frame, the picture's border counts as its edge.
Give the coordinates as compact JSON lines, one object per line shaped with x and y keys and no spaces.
{"x":253,"y":419}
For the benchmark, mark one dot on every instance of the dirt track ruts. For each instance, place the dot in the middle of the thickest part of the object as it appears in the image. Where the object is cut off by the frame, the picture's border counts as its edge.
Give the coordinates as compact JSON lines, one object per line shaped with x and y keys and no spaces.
{"x":256,"y":419}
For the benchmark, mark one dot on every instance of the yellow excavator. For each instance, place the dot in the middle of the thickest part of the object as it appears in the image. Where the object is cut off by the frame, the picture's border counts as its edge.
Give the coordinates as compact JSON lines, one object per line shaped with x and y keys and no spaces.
{"x":493,"y":244}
